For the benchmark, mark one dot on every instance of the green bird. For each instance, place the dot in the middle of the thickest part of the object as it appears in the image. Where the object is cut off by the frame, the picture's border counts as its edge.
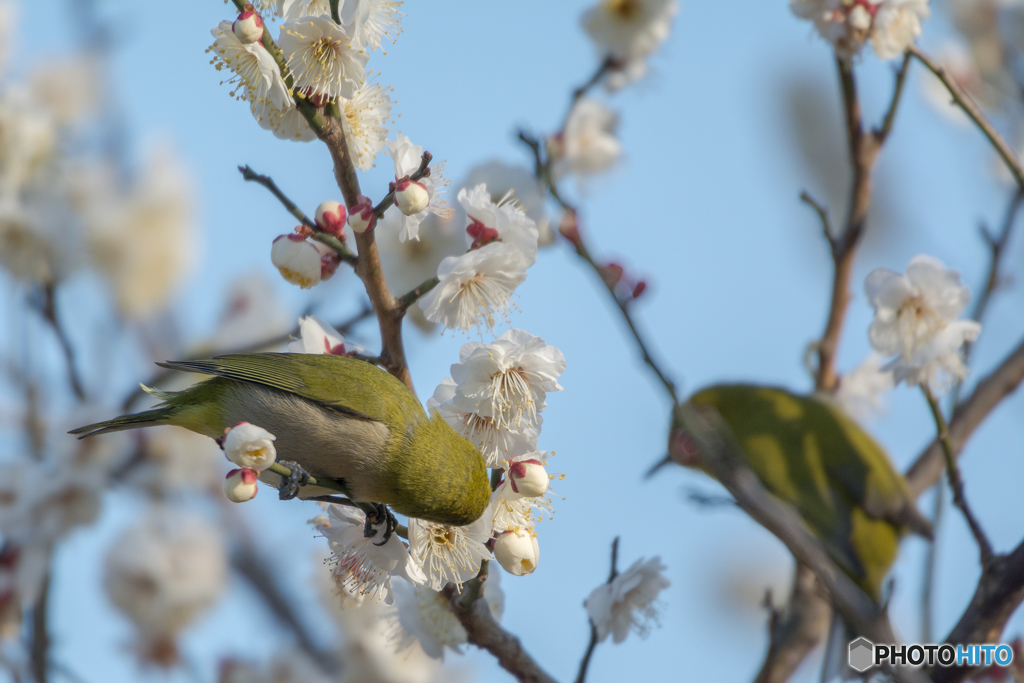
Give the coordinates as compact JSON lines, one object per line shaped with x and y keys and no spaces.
{"x":809,"y":454}
{"x":336,"y":417}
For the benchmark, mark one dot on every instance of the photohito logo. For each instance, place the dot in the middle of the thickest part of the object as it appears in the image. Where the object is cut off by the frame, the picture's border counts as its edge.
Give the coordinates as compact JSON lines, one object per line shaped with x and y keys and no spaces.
{"x":864,"y":654}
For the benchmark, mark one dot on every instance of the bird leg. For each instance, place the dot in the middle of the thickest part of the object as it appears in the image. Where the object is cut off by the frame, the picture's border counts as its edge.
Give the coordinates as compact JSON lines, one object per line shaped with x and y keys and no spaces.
{"x":381,"y":514}
{"x":289,"y":486}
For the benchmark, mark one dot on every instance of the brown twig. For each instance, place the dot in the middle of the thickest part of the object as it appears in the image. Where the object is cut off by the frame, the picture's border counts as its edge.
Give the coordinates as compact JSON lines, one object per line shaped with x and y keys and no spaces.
{"x":993,"y":388}
{"x":48,"y":309}
{"x":795,"y":631}
{"x":408,"y":299}
{"x":484,"y":632}
{"x":999,"y":592}
{"x":389,"y":198}
{"x":967,"y":104}
{"x":581,"y":676}
{"x":319,"y":235}
{"x":956,"y":483}
{"x":40,"y":639}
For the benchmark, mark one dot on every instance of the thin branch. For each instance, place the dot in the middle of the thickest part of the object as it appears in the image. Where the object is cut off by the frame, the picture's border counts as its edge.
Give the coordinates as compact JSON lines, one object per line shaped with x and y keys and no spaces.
{"x":48,"y":309}
{"x":40,"y":651}
{"x":160,"y":377}
{"x":793,"y":633}
{"x":408,"y":299}
{"x":956,"y":483}
{"x":989,"y":392}
{"x":965,"y":102}
{"x":882,"y":132}
{"x":826,"y":226}
{"x":581,"y":676}
{"x":319,"y":235}
{"x":484,"y":632}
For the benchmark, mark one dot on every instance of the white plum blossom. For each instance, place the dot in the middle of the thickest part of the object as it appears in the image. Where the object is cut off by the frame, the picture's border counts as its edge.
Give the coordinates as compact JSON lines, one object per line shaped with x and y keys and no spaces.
{"x":513,"y":509}
{"x":164,"y":572}
{"x":316,"y":336}
{"x":324,"y":60}
{"x":364,"y":119}
{"x":503,"y":221}
{"x":257,"y":78}
{"x":529,"y":193}
{"x":890,"y":25}
{"x":517,"y":551}
{"x":508,"y":379}
{"x":296,"y":259}
{"x":496,"y":444}
{"x":294,"y":9}
{"x":240,"y":485}
{"x":450,"y":553}
{"x":476,"y":288}
{"x":860,"y":390}
{"x":407,"y":158}
{"x":360,"y":565}
{"x":628,"y":31}
{"x":588,"y":143}
{"x":425,"y":617}
{"x":626,"y":603}
{"x":373,"y":20}
{"x":250,"y":447}
{"x":916,"y":321}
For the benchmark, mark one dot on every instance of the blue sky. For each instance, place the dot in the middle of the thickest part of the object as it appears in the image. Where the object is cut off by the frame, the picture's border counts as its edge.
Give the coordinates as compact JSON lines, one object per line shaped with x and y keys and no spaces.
{"x":704,"y":204}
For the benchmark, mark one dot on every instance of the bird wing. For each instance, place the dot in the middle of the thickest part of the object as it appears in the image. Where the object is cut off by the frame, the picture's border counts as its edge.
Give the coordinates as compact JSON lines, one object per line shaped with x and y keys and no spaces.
{"x":353,"y":387}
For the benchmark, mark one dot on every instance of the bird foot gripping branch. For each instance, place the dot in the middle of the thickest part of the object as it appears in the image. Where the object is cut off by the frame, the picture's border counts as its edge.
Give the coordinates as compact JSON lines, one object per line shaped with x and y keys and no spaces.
{"x":290,"y":484}
{"x":383,"y":515}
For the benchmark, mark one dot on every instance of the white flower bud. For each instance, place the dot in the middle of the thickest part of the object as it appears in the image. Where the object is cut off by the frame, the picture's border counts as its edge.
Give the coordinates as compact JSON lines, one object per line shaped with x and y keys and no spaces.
{"x":411,"y":197}
{"x":248,"y":27}
{"x":297,"y":260}
{"x":528,"y":478}
{"x":362,"y":217}
{"x":330,"y":217}
{"x":250,"y":446}
{"x":517,"y":551}
{"x":860,"y":18}
{"x":240,"y":485}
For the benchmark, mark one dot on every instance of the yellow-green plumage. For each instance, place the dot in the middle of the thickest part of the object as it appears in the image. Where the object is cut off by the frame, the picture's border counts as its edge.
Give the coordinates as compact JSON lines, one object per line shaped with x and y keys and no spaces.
{"x":339,"y":418}
{"x":809,"y":454}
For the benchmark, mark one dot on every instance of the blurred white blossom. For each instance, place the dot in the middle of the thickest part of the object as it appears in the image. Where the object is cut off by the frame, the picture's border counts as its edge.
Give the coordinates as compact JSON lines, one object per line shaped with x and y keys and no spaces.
{"x":629,"y":31}
{"x":916,"y":320}
{"x":316,"y":336}
{"x":627,"y":603}
{"x":890,"y":25}
{"x":364,"y":119}
{"x":860,"y":390}
{"x":373,"y":20}
{"x":588,"y":143}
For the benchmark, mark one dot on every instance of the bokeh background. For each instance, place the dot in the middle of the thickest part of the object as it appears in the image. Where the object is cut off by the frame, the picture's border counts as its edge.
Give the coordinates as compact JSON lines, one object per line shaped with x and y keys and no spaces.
{"x":739,"y":114}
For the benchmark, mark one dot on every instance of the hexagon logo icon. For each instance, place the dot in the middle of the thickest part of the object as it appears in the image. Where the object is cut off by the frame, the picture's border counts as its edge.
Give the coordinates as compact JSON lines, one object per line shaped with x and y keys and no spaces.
{"x":862,"y":654}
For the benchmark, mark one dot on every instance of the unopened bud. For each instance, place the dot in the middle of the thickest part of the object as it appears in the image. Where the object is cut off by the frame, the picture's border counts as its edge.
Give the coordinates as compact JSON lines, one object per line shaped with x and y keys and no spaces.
{"x":639,"y":288}
{"x":248,"y":27}
{"x":362,"y":218}
{"x":569,"y":228}
{"x":528,"y":478}
{"x":860,"y":18}
{"x":329,"y":262}
{"x":297,"y":260}
{"x":481,"y":234}
{"x":330,"y":217}
{"x":250,"y":447}
{"x":411,"y":197}
{"x":612,"y":274}
{"x":517,"y":551}
{"x":240,"y":485}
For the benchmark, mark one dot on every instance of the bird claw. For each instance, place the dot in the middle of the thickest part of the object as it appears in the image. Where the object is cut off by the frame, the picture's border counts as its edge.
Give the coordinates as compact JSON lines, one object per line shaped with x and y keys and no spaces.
{"x":382,"y":514}
{"x":290,"y":485}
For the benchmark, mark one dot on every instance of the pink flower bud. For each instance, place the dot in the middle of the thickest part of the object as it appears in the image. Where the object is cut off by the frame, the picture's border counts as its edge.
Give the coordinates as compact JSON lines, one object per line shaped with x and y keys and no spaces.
{"x":517,"y":551}
{"x":612,"y":274}
{"x":411,"y":197}
{"x":481,"y":234}
{"x":569,"y":229}
{"x":329,"y":263}
{"x":297,"y":260}
{"x":528,"y":478}
{"x":330,"y":216}
{"x":248,"y":27}
{"x":639,"y":288}
{"x":362,"y":219}
{"x":240,"y":485}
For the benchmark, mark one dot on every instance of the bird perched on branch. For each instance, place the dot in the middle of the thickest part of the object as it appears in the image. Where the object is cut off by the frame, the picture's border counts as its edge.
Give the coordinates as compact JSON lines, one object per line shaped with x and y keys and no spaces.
{"x":809,"y":454}
{"x":334,"y":417}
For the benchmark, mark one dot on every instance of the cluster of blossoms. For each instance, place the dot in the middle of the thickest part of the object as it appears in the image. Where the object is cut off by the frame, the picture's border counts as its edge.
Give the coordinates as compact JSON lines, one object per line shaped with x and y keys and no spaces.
{"x":891,"y":26}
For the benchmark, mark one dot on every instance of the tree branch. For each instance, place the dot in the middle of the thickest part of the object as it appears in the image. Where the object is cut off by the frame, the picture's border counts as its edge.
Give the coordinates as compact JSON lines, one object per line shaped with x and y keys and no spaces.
{"x":965,"y":102}
{"x":484,"y":632}
{"x":407,"y":300}
{"x":48,"y":309}
{"x":992,"y":389}
{"x":581,"y":676}
{"x":794,"y":633}
{"x":333,"y":241}
{"x":956,"y":483}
